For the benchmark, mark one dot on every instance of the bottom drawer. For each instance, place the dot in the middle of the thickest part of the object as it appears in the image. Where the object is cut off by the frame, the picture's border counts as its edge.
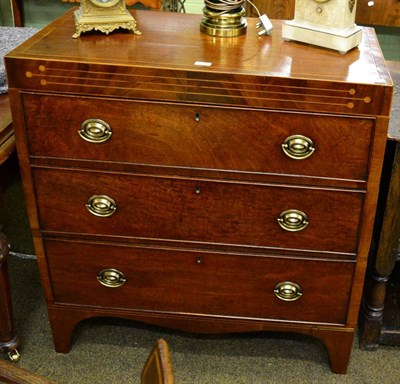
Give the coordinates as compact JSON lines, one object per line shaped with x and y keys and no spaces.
{"x":199,"y":282}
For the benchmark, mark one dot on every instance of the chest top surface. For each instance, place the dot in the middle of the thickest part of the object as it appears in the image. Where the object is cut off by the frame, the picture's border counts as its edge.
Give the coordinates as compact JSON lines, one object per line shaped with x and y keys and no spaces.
{"x":175,"y":61}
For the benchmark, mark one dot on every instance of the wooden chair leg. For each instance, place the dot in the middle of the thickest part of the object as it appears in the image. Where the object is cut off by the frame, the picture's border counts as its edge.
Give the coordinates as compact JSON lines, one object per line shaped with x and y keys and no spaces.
{"x":17,"y":13}
{"x":158,"y":367}
{"x":10,"y":373}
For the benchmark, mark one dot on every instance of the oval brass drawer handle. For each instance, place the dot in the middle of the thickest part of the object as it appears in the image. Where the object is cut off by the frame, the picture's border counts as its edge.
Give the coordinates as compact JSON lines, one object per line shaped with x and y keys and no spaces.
{"x":101,"y":205}
{"x":288,"y":291}
{"x":298,"y":147}
{"x":111,"y":278}
{"x":95,"y":131}
{"x":293,"y":220}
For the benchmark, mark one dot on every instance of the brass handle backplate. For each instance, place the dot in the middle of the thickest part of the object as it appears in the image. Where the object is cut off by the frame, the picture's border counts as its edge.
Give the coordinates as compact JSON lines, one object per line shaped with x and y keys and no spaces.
{"x":101,"y":205}
{"x":288,"y":291}
{"x":298,"y":147}
{"x":95,"y":131}
{"x":111,"y":278}
{"x":293,"y":220}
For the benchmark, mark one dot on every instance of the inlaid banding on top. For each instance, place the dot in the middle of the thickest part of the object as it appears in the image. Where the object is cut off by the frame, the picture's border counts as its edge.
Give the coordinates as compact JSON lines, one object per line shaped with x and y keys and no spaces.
{"x":186,"y":86}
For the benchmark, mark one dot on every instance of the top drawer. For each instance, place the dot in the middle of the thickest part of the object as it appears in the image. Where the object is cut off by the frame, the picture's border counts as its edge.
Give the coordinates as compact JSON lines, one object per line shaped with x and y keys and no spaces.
{"x":200,"y":137}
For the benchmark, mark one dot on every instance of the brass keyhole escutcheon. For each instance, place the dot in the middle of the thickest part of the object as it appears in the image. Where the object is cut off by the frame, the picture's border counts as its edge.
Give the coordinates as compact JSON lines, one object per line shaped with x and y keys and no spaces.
{"x":111,"y":278}
{"x":298,"y":147}
{"x":293,"y":220}
{"x":101,"y":205}
{"x":95,"y":131}
{"x":288,"y":291}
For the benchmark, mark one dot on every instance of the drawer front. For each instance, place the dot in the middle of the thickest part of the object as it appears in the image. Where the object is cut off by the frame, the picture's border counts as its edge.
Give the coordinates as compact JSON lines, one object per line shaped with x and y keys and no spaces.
{"x":198,"y":210}
{"x":199,"y":137}
{"x":198,"y":283}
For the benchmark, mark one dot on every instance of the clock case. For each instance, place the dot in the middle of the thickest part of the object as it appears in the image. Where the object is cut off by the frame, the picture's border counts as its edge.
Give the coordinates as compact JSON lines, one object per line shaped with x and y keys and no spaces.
{"x":328,"y":24}
{"x":103,"y":16}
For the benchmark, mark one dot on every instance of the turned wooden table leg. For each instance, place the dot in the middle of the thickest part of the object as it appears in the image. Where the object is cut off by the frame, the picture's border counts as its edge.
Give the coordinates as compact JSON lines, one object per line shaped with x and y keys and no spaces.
{"x":372,"y":321}
{"x":371,"y":326}
{"x":9,"y":341}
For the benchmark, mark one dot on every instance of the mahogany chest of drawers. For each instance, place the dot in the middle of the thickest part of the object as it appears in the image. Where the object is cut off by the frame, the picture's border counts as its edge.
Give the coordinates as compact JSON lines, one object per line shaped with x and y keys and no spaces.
{"x":204,"y":184}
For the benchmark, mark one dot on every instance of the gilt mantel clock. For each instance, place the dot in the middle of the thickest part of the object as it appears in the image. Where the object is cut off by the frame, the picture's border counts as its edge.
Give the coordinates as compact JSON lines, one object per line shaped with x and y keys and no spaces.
{"x":326,"y":23}
{"x":104,"y":16}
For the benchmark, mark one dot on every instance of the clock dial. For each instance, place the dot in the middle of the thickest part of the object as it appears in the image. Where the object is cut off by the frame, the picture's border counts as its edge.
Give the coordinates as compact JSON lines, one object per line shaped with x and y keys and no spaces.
{"x":104,"y":3}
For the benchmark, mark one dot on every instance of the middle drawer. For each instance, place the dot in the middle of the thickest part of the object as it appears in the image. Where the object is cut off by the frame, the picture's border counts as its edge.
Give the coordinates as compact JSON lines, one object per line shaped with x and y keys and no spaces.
{"x":199,"y":211}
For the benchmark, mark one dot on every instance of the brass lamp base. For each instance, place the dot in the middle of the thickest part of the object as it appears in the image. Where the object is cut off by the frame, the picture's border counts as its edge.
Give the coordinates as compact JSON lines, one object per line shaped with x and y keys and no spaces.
{"x":223,"y":25}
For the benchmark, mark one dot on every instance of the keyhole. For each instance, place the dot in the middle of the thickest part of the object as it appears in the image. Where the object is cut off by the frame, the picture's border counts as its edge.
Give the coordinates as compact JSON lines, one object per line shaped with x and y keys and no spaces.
{"x":197,"y":117}
{"x":197,"y":190}
{"x":199,"y":260}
